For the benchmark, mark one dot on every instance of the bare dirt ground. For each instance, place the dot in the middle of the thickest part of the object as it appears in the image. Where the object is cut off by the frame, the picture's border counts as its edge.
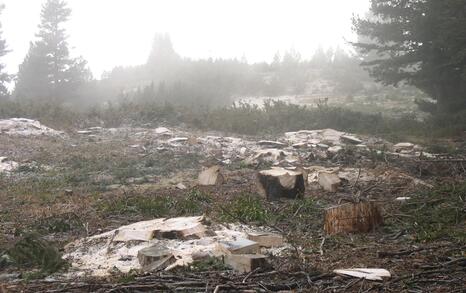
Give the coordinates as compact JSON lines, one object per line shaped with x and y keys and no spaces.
{"x":78,"y":184}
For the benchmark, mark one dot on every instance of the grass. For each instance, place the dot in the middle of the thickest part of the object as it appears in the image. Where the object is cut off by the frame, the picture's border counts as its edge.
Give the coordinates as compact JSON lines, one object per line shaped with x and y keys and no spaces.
{"x":191,"y":204}
{"x":246,"y":208}
{"x":59,"y":223}
{"x":156,"y":207}
{"x":439,"y":214}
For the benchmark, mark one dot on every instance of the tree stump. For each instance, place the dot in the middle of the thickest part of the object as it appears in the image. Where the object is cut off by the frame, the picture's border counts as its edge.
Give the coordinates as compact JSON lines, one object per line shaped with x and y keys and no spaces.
{"x":211,"y":176}
{"x":277,"y":183}
{"x":352,"y":217}
{"x":328,"y":181}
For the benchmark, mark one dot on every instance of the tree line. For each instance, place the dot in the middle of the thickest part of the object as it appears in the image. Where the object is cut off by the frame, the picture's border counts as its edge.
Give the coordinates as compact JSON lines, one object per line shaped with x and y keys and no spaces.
{"x":402,"y":42}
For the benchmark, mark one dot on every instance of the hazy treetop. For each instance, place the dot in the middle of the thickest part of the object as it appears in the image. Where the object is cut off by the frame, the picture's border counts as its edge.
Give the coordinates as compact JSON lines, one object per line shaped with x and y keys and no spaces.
{"x":120,"y":32}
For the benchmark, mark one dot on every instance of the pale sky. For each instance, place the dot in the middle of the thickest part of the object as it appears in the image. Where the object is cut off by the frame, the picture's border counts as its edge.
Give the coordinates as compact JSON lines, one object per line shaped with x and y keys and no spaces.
{"x":108,"y":33}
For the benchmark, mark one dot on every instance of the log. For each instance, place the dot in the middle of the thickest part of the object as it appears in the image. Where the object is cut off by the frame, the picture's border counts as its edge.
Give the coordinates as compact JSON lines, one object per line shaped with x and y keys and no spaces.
{"x":352,"y":217}
{"x":280,"y":183}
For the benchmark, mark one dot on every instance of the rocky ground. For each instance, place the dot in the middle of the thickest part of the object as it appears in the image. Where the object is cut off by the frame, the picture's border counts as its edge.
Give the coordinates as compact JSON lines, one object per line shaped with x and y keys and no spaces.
{"x":59,"y":187}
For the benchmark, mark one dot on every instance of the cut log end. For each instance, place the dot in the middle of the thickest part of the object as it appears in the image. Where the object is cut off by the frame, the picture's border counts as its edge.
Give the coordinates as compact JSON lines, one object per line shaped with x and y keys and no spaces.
{"x":352,"y":217}
{"x":280,"y":183}
{"x":211,"y":176}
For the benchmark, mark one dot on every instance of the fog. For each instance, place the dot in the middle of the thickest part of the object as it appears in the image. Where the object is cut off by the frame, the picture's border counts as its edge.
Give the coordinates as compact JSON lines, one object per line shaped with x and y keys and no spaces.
{"x":108,"y":33}
{"x":232,"y":145}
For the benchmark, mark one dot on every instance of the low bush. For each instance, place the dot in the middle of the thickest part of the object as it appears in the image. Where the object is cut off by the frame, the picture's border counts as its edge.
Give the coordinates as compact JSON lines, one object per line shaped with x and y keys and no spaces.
{"x":274,"y":117}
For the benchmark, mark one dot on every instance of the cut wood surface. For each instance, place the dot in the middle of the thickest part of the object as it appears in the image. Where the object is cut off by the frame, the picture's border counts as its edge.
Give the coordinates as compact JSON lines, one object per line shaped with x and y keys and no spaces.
{"x":245,"y":263}
{"x":329,"y":181}
{"x":211,"y":176}
{"x":281,"y":183}
{"x":266,"y":239}
{"x":155,"y":257}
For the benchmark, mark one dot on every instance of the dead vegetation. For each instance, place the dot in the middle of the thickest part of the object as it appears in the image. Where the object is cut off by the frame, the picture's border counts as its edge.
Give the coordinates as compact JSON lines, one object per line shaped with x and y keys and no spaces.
{"x":67,"y":189}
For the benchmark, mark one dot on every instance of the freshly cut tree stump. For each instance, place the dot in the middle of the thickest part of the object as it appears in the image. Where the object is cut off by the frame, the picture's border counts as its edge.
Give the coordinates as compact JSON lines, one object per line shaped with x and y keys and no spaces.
{"x":352,"y":217}
{"x":328,"y":181}
{"x":155,"y":257}
{"x":211,"y":176}
{"x":277,"y":183}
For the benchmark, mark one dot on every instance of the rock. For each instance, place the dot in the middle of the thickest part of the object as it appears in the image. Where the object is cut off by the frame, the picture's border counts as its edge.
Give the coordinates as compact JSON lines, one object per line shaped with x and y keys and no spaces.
{"x":352,"y":217}
{"x":277,"y":183}
{"x":351,"y":139}
{"x":329,"y":181}
{"x":240,"y":246}
{"x":181,"y":186}
{"x":211,"y":176}
{"x":271,"y":144}
{"x":245,"y":263}
{"x":155,"y":258}
{"x":265,"y":239}
{"x":365,"y":273}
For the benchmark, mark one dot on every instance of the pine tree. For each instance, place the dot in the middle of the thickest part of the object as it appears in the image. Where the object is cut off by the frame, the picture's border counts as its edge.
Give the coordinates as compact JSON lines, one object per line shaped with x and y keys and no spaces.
{"x":48,"y":73}
{"x":421,"y":43}
{"x":163,"y":59}
{"x":5,"y":78}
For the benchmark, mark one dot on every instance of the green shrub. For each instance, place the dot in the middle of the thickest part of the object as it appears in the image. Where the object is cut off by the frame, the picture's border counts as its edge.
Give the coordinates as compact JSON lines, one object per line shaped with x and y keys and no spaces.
{"x":33,"y":252}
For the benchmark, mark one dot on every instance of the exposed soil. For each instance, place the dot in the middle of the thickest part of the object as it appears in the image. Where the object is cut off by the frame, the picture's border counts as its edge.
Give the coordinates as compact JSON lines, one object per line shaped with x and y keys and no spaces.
{"x":78,"y":185}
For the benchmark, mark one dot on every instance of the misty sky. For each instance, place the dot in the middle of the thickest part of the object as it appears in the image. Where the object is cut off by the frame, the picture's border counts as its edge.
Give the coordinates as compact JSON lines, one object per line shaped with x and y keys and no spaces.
{"x":119,"y":32}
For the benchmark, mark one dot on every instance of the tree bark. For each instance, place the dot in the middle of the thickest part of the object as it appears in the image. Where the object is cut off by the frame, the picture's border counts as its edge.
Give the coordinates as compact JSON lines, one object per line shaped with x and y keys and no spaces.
{"x":352,"y":217}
